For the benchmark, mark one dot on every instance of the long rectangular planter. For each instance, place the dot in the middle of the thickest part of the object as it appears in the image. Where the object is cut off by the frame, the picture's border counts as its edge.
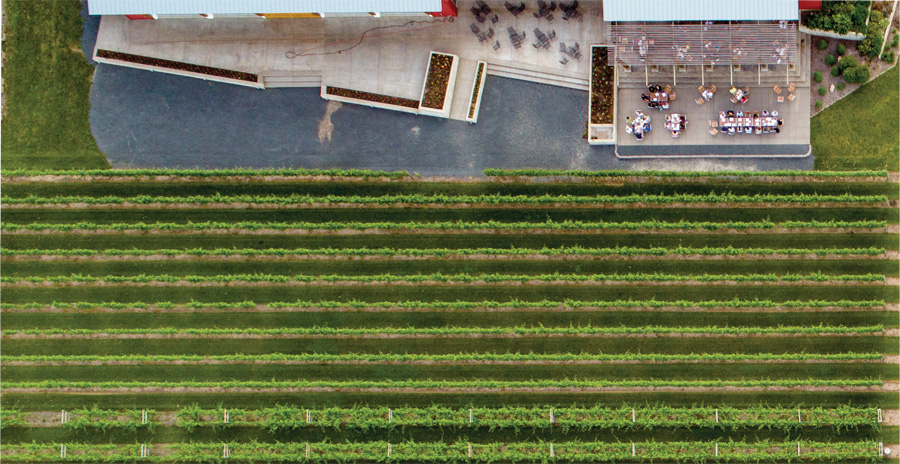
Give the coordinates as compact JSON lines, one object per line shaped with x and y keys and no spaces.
{"x":362,"y":101}
{"x":477,"y":91}
{"x":444,"y":110}
{"x":178,"y":68}
{"x":602,"y":133}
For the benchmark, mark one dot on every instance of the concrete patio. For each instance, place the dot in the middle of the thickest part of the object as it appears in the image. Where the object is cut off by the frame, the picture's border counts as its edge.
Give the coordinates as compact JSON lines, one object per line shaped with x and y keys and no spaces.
{"x":387,"y":55}
{"x":696,"y":139}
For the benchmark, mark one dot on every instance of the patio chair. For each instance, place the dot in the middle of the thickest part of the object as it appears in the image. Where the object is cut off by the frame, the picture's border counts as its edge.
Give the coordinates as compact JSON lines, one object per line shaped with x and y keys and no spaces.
{"x":730,"y":131}
{"x":777,"y":90}
{"x":485,"y":10}
{"x":552,"y":6}
{"x":713,"y":131}
{"x":734,"y":99}
{"x":536,"y":45}
{"x":510,"y":7}
{"x":495,"y":19}
{"x":496,"y":45}
{"x":746,"y":91}
{"x":512,"y":31}
{"x":474,"y":27}
{"x":701,"y":89}
{"x":712,"y":88}
{"x":542,"y":4}
{"x":668,"y":88}
{"x":522,"y":36}
{"x":490,"y":33}
{"x":576,"y":55}
{"x":791,"y":87}
{"x":481,"y":36}
{"x":792,"y":97}
{"x":475,"y":10}
{"x":562,"y":48}
{"x":548,"y":16}
{"x":700,"y":101}
{"x":672,"y":95}
{"x":564,"y":60}
{"x":759,"y":130}
{"x":539,"y":13}
{"x":552,"y":34}
{"x":780,"y":99}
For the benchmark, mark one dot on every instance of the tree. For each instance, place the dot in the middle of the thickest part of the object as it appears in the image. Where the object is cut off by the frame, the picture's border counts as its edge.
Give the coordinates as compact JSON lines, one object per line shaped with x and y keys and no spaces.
{"x":856,"y":74}
{"x":817,"y":76}
{"x":830,"y":60}
{"x":848,"y":62}
{"x":822,"y":44}
{"x":841,"y":49}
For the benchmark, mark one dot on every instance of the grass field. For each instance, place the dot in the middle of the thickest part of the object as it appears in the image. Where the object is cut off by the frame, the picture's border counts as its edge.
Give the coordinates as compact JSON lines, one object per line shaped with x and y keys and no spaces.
{"x":69,"y":345}
{"x":47,"y":82}
{"x":871,"y":114}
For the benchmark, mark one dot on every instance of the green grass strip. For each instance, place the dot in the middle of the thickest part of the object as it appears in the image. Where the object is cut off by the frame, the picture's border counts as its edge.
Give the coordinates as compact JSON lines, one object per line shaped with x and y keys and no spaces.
{"x":623,"y":251}
{"x":419,"y":199}
{"x":243,"y":172}
{"x":487,"y":358}
{"x":582,"y":173}
{"x":448,"y":385}
{"x":517,"y":331}
{"x":439,"y":278}
{"x":444,"y":225}
{"x":454,"y":452}
{"x":562,"y":305}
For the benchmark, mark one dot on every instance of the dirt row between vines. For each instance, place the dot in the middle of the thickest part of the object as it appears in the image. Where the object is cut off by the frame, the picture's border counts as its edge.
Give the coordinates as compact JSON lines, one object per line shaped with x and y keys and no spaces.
{"x":612,"y":180}
{"x":891,"y":229}
{"x":215,"y":362}
{"x":390,"y":336}
{"x":237,"y":256}
{"x":501,"y":206}
{"x":891,"y":281}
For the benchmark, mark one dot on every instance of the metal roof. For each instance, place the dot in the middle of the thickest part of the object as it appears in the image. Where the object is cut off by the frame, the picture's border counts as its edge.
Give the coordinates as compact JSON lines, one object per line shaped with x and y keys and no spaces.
{"x":700,"y":10}
{"x":189,"y":7}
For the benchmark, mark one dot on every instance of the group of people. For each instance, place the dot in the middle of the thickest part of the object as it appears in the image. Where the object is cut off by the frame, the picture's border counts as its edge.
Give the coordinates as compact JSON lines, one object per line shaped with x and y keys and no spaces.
{"x":733,"y":122}
{"x":657,"y":99}
{"x":639,"y":125}
{"x":676,"y":123}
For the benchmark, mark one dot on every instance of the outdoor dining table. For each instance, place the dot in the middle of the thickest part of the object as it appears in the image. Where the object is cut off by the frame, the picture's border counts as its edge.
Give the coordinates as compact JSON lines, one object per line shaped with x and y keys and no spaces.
{"x":763,"y":122}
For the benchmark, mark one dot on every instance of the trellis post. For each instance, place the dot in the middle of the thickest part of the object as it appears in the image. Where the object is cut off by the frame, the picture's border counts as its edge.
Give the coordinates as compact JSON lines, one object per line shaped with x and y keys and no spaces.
{"x":63,"y":416}
{"x":143,"y":416}
{"x":225,"y":451}
{"x":470,"y":415}
{"x":389,"y":450}
{"x":717,"y":449}
{"x":308,"y":417}
{"x":470,"y":450}
{"x":307,"y":450}
{"x":717,"y":416}
{"x":390,"y":415}
{"x":633,"y":416}
{"x":633,"y":449}
{"x":798,"y":448}
{"x":552,"y":453}
{"x":225,"y":416}
{"x":799,"y":419}
{"x":551,"y":416}
{"x":145,"y":451}
{"x":880,"y":417}
{"x":62,"y":451}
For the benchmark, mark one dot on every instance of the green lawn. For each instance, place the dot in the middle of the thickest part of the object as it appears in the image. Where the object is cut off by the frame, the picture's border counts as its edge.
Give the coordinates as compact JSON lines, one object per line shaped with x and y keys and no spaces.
{"x":860,"y":131}
{"x":47,"y":82}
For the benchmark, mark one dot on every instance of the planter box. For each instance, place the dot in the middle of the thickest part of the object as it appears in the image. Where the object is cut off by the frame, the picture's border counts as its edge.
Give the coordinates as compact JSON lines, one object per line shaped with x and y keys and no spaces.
{"x":178,"y":68}
{"x":439,"y":77}
{"x":477,"y":91}
{"x":831,"y":34}
{"x":602,"y":127}
{"x":365,"y":98}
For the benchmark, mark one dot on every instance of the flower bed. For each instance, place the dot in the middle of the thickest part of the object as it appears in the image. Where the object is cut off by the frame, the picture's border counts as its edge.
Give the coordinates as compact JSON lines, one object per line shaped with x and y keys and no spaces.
{"x":437,"y":81}
{"x":178,"y":66}
{"x":602,"y":97}
{"x":476,"y":91}
{"x":372,"y":97}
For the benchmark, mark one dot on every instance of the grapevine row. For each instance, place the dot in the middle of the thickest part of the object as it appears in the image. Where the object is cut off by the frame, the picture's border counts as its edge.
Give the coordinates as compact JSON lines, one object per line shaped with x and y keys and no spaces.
{"x":440,"y":452}
{"x":597,"y":417}
{"x":468,"y":358}
{"x":446,"y":225}
{"x":744,"y":174}
{"x":157,"y":172}
{"x":420,"y":199}
{"x":440,"y":278}
{"x":564,"y":305}
{"x":622,"y":251}
{"x":478,"y":385}
{"x":445,"y":331}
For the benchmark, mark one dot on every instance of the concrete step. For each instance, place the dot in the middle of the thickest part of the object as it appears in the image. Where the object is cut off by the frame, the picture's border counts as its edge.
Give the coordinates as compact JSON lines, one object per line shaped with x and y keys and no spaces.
{"x":540,"y":76}
{"x":292,"y":80}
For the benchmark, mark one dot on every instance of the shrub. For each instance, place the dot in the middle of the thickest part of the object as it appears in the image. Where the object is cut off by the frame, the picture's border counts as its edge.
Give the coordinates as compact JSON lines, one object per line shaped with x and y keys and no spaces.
{"x":887,"y":57}
{"x":817,"y":76}
{"x":830,"y":60}
{"x":841,"y":85}
{"x":822,"y":90}
{"x":822,"y":44}
{"x":818,"y":104}
{"x":841,"y":49}
{"x":860,"y":12}
{"x":871,"y":45}
{"x":896,"y":40}
{"x":856,"y":74}
{"x":848,"y":62}
{"x":841,"y":24}
{"x":835,"y":71}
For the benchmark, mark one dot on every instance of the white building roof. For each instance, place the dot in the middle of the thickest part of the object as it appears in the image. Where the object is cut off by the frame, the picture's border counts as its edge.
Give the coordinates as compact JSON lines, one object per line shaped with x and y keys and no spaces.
{"x":188,"y":7}
{"x":700,"y":10}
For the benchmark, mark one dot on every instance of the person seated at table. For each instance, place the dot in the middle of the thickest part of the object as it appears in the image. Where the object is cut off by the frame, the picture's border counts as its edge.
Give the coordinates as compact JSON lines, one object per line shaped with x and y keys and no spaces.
{"x":657,"y":88}
{"x":639,"y":134}
{"x":648,"y":128}
{"x":730,"y":113}
{"x":740,"y":114}
{"x":743,"y":99}
{"x":645,"y":97}
{"x":664,"y":106}
{"x":629,"y":129}
{"x":780,"y":121}
{"x":777,"y":130}
{"x":765,"y":113}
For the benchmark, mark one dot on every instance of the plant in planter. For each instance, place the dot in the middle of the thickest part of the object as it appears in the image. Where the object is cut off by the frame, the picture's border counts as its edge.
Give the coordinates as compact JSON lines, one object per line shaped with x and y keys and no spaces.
{"x":479,"y":74}
{"x":372,"y":97}
{"x":602,"y":96}
{"x":437,"y":81}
